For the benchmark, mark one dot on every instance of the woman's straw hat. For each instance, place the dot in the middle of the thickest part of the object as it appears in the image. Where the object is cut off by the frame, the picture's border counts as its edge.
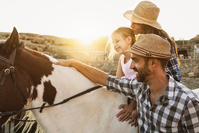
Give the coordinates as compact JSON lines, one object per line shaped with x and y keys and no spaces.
{"x":144,"y":13}
{"x":151,"y":45}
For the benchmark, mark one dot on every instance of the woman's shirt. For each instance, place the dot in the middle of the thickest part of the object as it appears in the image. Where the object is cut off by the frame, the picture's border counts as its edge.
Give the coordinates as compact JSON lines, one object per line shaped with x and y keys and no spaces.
{"x":172,"y":67}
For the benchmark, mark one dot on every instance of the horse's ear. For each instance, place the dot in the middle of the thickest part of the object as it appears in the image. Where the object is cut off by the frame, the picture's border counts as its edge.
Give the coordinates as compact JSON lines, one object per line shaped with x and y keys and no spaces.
{"x":10,"y":44}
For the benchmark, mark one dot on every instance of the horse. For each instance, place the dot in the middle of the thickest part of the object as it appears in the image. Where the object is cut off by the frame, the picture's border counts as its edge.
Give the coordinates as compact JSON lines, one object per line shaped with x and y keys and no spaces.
{"x":30,"y":79}
{"x":196,"y":52}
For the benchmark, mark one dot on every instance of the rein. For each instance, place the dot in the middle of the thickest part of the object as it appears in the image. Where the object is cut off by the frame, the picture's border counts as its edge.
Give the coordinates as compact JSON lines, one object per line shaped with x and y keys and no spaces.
{"x":11,"y":69}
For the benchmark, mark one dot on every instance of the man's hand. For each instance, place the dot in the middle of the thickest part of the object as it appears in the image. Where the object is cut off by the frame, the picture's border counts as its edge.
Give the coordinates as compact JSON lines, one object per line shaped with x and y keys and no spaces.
{"x":66,"y":63}
{"x":92,"y":73}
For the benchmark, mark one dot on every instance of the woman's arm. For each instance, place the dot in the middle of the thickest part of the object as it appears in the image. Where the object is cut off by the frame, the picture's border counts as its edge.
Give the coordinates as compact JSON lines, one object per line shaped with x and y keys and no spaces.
{"x":94,"y":74}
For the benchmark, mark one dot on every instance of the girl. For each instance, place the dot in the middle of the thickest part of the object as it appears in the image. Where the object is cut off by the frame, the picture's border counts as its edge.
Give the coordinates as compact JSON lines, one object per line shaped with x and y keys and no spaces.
{"x":122,"y":39}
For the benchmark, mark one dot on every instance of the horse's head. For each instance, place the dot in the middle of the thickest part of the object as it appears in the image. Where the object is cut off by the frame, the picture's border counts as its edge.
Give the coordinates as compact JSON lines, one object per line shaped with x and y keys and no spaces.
{"x":9,"y":98}
{"x":21,"y":72}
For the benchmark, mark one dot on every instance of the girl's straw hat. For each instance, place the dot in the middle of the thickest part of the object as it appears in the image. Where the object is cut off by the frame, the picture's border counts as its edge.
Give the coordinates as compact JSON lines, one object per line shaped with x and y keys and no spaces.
{"x":144,"y":13}
{"x":151,"y":45}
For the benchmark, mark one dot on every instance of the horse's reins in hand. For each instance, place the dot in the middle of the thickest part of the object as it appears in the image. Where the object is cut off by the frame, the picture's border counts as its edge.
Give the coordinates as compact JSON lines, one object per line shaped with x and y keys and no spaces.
{"x":11,"y":70}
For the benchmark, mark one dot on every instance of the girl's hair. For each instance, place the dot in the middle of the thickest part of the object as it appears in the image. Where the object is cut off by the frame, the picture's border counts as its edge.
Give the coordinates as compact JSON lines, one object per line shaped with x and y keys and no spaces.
{"x":149,"y":29}
{"x":124,"y":32}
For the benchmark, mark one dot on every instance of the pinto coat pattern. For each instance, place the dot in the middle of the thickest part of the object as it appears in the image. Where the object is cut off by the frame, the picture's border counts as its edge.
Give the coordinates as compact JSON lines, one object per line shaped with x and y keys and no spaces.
{"x":43,"y":82}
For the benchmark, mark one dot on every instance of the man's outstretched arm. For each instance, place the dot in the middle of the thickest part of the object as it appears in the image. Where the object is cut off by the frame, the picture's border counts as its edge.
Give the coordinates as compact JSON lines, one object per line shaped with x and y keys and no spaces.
{"x":94,"y":74}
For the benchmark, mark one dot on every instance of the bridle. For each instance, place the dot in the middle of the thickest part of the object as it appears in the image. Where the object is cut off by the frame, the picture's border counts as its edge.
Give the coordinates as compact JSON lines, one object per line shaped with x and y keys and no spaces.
{"x":11,"y":70}
{"x":8,"y":71}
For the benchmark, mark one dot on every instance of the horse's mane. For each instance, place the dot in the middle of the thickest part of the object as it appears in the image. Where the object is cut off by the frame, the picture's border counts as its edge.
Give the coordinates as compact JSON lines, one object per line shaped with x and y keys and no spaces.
{"x":28,"y":114}
{"x":29,"y":117}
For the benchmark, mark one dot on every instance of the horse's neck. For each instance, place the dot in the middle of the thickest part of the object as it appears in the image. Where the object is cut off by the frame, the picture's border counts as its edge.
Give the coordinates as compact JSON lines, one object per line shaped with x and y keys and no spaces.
{"x":66,"y":82}
{"x":44,"y":78}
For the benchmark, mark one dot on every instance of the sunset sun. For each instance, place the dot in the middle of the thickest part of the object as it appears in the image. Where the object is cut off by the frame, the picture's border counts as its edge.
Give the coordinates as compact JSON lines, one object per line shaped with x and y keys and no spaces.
{"x":86,"y":36}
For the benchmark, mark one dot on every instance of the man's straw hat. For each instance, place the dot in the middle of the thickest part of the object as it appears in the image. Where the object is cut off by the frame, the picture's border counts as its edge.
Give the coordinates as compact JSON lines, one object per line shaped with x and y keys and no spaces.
{"x":144,"y":13}
{"x":151,"y":45}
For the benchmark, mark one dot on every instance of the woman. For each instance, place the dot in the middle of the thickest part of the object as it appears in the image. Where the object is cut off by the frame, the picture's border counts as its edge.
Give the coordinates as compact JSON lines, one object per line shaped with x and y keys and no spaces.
{"x":144,"y":21}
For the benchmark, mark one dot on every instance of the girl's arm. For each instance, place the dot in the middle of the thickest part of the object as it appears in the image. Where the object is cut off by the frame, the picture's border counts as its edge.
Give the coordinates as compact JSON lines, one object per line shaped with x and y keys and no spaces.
{"x":119,"y":73}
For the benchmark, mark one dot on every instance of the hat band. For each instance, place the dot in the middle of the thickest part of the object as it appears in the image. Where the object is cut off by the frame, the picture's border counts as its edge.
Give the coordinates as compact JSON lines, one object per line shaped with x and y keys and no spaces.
{"x":149,"y":53}
{"x":145,"y":19}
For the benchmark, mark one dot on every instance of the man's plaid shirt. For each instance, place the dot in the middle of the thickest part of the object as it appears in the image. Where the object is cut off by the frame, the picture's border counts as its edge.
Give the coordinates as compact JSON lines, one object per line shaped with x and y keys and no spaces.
{"x":176,"y":111}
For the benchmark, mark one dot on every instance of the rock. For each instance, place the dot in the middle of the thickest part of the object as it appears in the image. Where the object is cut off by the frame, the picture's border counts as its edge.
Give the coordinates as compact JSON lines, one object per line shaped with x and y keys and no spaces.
{"x":31,"y":46}
{"x":60,"y":41}
{"x":38,"y":40}
{"x":39,"y":49}
{"x":185,"y":65}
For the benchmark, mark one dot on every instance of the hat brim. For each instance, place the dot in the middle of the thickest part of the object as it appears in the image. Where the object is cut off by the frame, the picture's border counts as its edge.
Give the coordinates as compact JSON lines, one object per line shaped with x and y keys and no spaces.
{"x":144,"y":55}
{"x":129,"y":15}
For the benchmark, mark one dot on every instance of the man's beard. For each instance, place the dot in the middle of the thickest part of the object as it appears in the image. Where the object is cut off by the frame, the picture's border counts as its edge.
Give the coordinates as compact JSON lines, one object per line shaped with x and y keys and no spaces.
{"x":142,"y":73}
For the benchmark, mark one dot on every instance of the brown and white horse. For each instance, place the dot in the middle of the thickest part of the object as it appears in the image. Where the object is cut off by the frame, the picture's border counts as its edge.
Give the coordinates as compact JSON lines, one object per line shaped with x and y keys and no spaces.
{"x":29,"y":75}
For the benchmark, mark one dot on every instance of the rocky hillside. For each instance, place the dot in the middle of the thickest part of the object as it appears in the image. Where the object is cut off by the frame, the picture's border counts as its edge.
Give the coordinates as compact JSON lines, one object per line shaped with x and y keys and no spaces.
{"x":94,"y":54}
{"x":56,"y":46}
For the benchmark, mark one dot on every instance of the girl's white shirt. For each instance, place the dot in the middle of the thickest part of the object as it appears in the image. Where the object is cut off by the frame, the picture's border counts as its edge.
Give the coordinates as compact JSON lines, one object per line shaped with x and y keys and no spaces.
{"x":129,"y":73}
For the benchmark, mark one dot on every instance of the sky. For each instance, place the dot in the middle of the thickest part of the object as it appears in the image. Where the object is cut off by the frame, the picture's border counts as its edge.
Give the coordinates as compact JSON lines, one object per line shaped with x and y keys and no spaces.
{"x":89,"y":19}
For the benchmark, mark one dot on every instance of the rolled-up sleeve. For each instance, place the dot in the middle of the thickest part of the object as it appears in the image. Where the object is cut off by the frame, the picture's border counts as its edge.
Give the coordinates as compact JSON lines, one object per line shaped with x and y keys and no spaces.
{"x":128,"y":87}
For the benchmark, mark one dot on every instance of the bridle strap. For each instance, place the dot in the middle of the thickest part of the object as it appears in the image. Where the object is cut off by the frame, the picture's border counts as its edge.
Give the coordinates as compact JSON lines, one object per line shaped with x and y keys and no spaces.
{"x":6,"y":73}
{"x":12,"y":57}
{"x":16,"y":83}
{"x":11,"y":60}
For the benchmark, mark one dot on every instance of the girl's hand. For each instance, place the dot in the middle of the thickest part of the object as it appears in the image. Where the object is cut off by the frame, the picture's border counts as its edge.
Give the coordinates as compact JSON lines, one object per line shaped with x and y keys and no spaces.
{"x":125,"y":114}
{"x":133,"y":120}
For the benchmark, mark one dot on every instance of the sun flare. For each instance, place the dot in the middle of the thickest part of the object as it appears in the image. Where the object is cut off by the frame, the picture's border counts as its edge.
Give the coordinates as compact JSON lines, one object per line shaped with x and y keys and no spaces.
{"x":86,"y":36}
